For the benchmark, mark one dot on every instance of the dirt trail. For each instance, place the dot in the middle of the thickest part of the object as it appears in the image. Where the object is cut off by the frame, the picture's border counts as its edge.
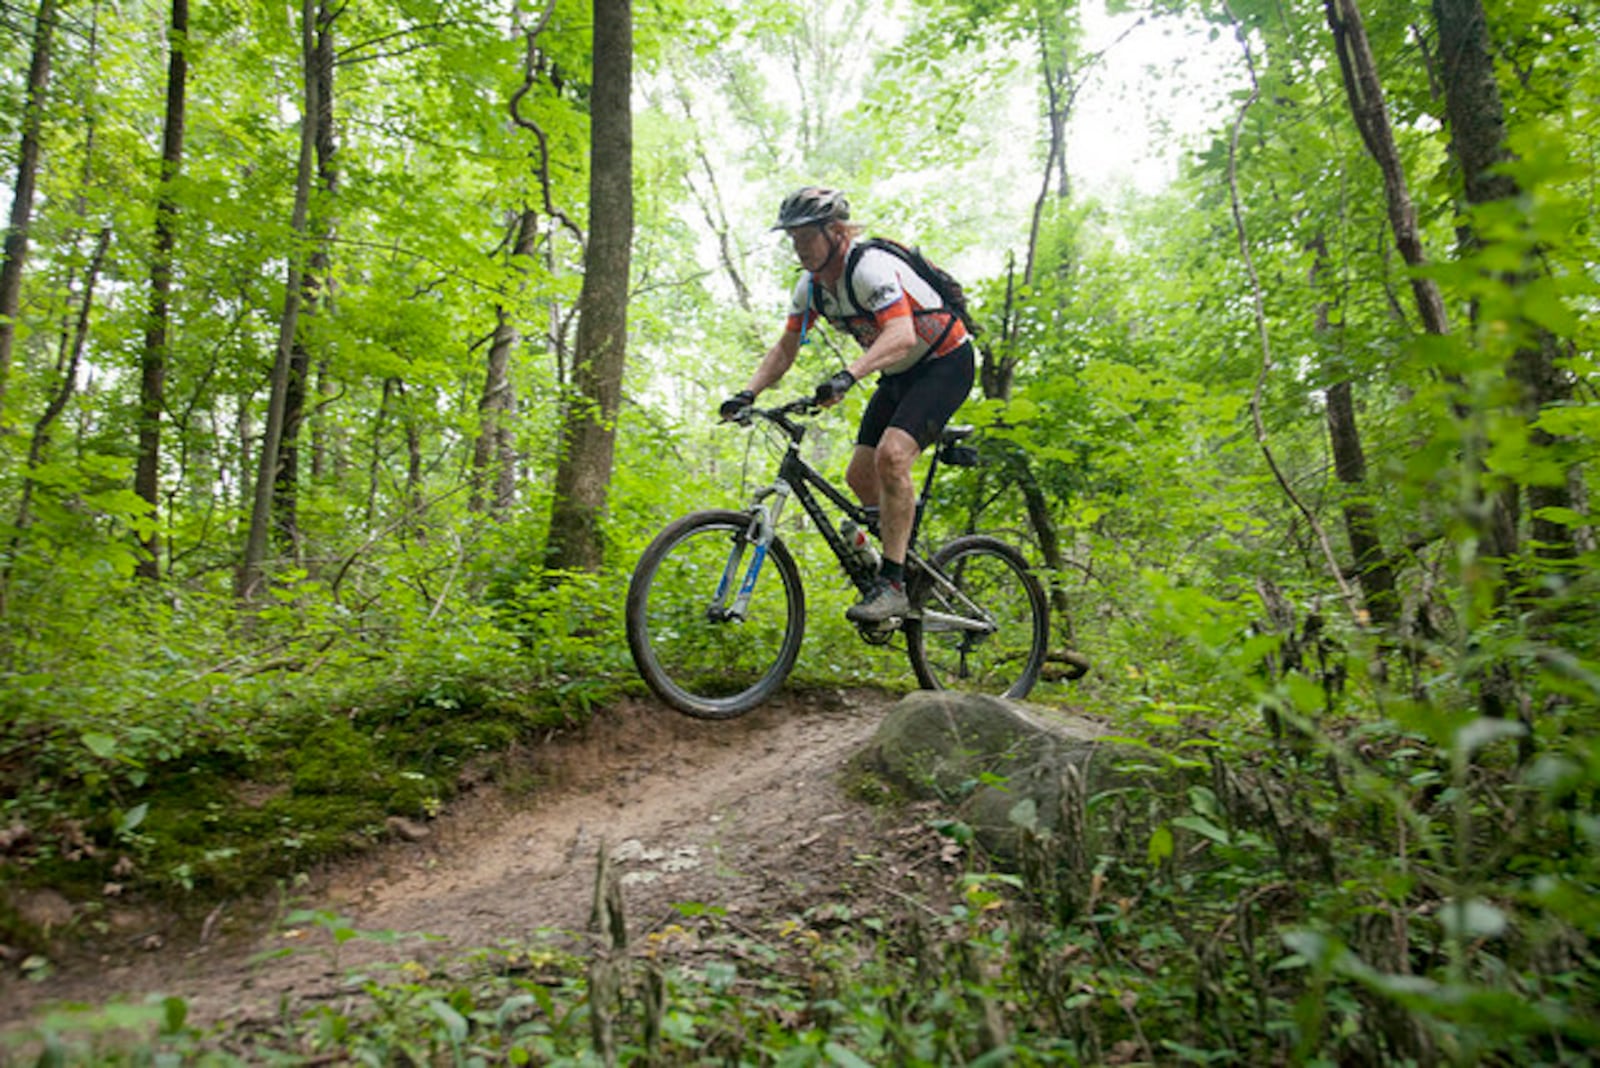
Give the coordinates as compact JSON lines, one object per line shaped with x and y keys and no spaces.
{"x":748,"y":815}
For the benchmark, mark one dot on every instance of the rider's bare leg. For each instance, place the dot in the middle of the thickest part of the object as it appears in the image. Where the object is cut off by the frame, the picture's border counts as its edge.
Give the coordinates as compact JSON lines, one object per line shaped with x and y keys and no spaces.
{"x":862,"y":475}
{"x":897,"y":497}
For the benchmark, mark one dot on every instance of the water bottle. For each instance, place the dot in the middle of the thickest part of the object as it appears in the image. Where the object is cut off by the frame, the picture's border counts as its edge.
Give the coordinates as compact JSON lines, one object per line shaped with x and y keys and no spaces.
{"x":857,"y":547}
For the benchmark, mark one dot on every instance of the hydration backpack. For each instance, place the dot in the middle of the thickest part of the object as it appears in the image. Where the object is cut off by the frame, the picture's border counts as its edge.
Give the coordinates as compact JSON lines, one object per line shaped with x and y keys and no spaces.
{"x":951,"y":295}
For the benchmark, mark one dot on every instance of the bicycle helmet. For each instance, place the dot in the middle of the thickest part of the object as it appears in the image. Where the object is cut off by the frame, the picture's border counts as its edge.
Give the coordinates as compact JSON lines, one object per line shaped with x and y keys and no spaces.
{"x":812,"y":204}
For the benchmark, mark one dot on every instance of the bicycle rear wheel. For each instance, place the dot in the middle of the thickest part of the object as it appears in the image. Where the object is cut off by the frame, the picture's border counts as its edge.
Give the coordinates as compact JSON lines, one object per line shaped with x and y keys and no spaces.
{"x":694,"y":657}
{"x":988,"y":630}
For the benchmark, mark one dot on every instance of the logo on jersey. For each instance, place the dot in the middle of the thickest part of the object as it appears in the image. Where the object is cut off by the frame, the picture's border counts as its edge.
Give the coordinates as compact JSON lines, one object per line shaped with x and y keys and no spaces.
{"x":884,"y":294}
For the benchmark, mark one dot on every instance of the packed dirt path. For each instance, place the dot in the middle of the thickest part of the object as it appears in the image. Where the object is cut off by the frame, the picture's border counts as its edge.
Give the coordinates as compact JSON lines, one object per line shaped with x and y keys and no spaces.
{"x":750,"y":815}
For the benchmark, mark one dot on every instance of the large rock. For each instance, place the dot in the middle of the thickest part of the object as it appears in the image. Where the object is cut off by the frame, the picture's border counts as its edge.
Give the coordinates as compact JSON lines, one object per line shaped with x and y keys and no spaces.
{"x":1014,"y":773}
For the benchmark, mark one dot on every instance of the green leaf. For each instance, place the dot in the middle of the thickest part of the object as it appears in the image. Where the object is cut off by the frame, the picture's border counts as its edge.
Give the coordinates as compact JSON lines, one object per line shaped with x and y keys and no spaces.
{"x":1025,"y":814}
{"x":1576,"y":419}
{"x":1566,"y":517}
{"x":132,"y":818}
{"x":1203,"y":827}
{"x":1313,"y":948}
{"x":840,"y":1055}
{"x":1160,"y":845}
{"x":176,"y":1012}
{"x":103,"y":746}
{"x":1483,"y":732}
{"x":1472,"y":918}
{"x":1542,"y":304}
{"x":455,"y":1024}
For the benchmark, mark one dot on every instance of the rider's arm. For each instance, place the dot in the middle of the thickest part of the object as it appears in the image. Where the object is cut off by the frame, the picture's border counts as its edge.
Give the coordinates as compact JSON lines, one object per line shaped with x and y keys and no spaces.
{"x":776,"y":363}
{"x":877,"y":287}
{"x":896,"y":338}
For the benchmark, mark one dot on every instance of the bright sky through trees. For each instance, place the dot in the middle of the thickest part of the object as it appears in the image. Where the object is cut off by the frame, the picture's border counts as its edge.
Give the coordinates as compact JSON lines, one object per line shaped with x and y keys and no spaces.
{"x":1161,"y":84}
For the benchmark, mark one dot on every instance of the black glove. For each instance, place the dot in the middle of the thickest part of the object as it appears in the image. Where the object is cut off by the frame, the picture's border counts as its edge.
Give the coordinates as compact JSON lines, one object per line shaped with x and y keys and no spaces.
{"x":735,"y":404}
{"x":831,"y":389}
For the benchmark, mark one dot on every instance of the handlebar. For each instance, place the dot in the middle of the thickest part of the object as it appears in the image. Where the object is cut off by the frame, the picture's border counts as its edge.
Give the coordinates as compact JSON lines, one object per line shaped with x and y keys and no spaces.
{"x":779,"y":416}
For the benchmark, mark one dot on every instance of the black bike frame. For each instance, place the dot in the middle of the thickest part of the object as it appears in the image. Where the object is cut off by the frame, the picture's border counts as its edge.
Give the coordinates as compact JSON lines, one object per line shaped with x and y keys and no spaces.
{"x":799,"y":479}
{"x":806,"y":482}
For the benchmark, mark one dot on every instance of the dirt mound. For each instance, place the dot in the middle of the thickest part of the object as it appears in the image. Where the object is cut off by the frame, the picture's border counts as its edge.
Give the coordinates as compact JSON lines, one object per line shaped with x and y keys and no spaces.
{"x":748,"y":815}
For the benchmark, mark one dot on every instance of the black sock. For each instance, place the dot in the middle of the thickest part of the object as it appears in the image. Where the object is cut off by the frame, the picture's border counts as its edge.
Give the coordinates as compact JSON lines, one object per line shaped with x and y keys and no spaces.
{"x":893,"y":570}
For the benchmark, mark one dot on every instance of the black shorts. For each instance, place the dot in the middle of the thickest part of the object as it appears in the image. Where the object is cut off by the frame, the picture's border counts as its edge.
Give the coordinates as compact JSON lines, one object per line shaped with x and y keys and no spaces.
{"x":919,"y":401}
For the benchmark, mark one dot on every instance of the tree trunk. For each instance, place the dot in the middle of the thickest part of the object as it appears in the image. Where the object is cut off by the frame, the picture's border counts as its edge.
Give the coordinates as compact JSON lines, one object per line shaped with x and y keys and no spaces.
{"x":315,"y":287}
{"x":588,"y":438}
{"x":65,"y":387}
{"x":1373,"y":571}
{"x":1365,"y":94}
{"x":252,"y":568}
{"x":153,"y":360}
{"x":22,"y":193}
{"x":380,"y":419}
{"x":1372,"y":568}
{"x":494,"y":454}
{"x":996,"y":379}
{"x":1476,"y":116}
{"x":1060,"y":93}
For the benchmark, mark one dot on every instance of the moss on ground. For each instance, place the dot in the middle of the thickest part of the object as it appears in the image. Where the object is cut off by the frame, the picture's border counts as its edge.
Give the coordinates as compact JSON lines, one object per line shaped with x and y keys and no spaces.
{"x":217,"y":824}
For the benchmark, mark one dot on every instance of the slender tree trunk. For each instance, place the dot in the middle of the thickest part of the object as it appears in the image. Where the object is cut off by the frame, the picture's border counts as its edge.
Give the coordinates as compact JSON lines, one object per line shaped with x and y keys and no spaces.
{"x":1476,"y":114}
{"x":1060,"y":93}
{"x":495,"y":406}
{"x":252,"y":568}
{"x":413,"y":491}
{"x":22,"y":192}
{"x":1364,"y":91}
{"x":588,"y":438}
{"x":996,"y":381}
{"x":65,"y":387}
{"x":153,"y":360}
{"x":713,"y":211}
{"x":386,"y":403}
{"x":494,"y":454}
{"x":1372,"y":567}
{"x":315,"y":288}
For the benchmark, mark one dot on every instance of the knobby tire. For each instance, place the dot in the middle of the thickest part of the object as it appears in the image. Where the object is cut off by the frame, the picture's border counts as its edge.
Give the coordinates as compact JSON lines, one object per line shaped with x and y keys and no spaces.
{"x":997,"y":578}
{"x":703,"y":667}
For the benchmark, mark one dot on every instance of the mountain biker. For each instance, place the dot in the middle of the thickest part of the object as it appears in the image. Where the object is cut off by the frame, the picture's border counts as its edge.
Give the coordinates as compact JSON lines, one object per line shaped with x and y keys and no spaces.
{"x":920,"y":349}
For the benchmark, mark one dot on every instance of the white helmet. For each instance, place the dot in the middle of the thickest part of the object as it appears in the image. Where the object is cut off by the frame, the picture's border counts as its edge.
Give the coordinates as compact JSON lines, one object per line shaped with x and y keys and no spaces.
{"x":812,"y":204}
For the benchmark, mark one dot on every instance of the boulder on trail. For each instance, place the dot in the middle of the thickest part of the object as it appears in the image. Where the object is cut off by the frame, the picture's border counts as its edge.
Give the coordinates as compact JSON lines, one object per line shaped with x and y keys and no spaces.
{"x":1015,"y":773}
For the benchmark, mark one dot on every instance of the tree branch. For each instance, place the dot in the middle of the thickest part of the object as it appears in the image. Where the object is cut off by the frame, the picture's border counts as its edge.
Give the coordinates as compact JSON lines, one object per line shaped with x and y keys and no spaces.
{"x":529,"y":79}
{"x":1352,"y":603}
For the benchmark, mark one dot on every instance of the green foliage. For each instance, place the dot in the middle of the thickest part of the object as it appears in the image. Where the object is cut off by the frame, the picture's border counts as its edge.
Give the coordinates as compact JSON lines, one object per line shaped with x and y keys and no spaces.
{"x":209,"y":771}
{"x":1422,"y":882}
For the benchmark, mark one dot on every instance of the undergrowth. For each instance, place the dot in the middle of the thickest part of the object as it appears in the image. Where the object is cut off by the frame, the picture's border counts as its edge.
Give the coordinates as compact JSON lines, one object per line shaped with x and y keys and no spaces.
{"x":1359,"y":898}
{"x":178,"y":751}
{"x":127,"y":772}
{"x":1308,"y":863}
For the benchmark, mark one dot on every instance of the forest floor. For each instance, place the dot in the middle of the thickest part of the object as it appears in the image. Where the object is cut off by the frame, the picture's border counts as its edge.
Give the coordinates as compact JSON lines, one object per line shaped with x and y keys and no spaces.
{"x":753,"y":816}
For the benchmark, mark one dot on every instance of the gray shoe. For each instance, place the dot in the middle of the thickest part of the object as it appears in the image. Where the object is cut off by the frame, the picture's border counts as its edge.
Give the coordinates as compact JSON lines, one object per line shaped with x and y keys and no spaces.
{"x":887,"y":600}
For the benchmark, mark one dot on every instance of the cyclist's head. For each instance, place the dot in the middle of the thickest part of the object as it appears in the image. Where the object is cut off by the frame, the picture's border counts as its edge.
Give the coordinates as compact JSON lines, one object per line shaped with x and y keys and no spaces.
{"x":812,"y":205}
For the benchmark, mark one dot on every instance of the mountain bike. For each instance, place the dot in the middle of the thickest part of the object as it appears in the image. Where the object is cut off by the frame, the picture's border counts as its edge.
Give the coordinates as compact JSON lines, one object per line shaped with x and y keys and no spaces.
{"x":716,"y":609}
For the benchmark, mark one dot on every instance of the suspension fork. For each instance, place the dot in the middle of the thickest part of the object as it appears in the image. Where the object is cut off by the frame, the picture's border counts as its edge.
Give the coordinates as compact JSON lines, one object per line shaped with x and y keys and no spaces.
{"x":764,"y":515}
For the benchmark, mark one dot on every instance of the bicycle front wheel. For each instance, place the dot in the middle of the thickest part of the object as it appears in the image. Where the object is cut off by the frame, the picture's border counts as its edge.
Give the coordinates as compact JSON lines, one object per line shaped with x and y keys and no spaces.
{"x":984,"y":626}
{"x":697,"y":656}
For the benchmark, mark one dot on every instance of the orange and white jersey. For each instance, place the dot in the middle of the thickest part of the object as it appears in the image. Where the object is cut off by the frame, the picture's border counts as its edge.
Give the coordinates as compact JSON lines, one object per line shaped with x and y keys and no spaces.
{"x":878,"y":287}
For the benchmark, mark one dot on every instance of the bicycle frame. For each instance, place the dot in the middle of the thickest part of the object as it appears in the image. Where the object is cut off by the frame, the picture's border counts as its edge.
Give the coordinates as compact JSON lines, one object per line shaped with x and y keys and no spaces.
{"x":797,"y":478}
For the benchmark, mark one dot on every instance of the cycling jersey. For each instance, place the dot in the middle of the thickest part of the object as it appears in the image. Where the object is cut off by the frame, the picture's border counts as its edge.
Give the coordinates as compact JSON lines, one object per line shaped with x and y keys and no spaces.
{"x":881,"y":287}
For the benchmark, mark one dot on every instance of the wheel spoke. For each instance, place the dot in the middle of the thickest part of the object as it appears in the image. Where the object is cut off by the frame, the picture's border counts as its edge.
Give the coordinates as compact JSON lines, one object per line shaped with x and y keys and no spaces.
{"x":988,"y":627}
{"x":695,"y":654}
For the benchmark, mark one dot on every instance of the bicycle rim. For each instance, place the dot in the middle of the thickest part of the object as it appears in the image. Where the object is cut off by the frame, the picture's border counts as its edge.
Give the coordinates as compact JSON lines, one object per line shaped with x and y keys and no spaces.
{"x":993,"y":584}
{"x":706,"y":667}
